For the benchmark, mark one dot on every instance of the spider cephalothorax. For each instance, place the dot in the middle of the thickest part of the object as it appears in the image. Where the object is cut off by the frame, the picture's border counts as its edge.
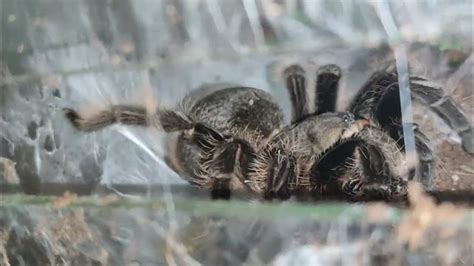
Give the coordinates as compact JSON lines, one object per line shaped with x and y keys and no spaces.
{"x":234,"y":138}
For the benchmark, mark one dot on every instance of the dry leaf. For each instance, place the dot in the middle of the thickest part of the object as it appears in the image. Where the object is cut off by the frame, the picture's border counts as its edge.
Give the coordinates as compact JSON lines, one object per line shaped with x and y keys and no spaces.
{"x":425,"y":216}
{"x":65,"y":200}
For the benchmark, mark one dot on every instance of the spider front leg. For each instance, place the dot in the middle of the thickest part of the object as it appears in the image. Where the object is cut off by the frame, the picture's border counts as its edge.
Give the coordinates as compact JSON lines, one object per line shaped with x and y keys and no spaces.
{"x":296,"y":84}
{"x":379,"y":100}
{"x":378,"y":165}
{"x":371,"y":172}
{"x":425,"y":154}
{"x":426,"y":157}
{"x":327,"y":85}
{"x":444,"y":106}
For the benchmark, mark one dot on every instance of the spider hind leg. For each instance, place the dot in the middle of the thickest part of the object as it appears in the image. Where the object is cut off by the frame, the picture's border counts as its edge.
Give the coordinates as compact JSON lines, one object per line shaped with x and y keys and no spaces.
{"x":125,"y":114}
{"x":134,"y":115}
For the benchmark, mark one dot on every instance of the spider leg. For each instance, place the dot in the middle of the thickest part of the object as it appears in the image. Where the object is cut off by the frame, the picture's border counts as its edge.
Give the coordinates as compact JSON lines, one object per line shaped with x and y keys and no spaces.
{"x":424,"y":148}
{"x":284,"y":173}
{"x":379,"y":100}
{"x":366,"y":100}
{"x":425,"y":153}
{"x":221,"y":189}
{"x":223,"y":159}
{"x":445,"y":107}
{"x":126,"y":114}
{"x":378,"y":179}
{"x":426,"y":157}
{"x":294,"y":76}
{"x":218,"y":151}
{"x":170,"y":121}
{"x":327,"y":83}
{"x":228,"y":161}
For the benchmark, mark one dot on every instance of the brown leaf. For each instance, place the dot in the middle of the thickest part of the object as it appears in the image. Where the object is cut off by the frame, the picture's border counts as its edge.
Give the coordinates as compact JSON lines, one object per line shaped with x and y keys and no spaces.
{"x":65,"y":200}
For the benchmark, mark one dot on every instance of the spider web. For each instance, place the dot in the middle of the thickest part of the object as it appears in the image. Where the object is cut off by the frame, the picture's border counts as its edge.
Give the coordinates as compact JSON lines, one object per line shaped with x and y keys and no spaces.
{"x":394,"y":38}
{"x":131,"y":208}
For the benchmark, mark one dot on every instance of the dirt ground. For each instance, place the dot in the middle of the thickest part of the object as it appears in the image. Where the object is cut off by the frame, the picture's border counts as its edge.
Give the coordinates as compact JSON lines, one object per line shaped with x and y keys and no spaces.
{"x":455,"y":167}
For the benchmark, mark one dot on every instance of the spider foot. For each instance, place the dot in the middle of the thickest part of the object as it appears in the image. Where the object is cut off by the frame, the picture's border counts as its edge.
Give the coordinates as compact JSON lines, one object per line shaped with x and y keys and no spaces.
{"x":330,"y":69}
{"x":72,"y":116}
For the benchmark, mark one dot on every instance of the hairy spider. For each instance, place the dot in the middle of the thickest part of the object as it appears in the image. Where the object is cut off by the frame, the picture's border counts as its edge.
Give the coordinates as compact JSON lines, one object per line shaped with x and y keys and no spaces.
{"x":234,"y":137}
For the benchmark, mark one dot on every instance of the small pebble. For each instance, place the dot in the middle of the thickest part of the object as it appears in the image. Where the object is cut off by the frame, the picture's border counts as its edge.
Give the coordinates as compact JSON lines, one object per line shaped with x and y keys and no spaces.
{"x":455,"y":178}
{"x":11,"y":18}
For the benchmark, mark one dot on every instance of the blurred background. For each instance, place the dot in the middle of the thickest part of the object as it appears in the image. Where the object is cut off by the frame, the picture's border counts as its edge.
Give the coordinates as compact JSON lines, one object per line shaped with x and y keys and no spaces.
{"x":132,"y":208}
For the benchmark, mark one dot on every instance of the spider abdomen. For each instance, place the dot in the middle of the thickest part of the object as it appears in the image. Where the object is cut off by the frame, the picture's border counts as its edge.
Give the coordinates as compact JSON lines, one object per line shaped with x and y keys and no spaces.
{"x":243,"y":113}
{"x":239,"y":108}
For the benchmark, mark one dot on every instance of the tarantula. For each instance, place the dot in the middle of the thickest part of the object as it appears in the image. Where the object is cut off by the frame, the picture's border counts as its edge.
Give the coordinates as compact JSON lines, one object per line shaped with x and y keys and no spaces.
{"x":234,"y":138}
